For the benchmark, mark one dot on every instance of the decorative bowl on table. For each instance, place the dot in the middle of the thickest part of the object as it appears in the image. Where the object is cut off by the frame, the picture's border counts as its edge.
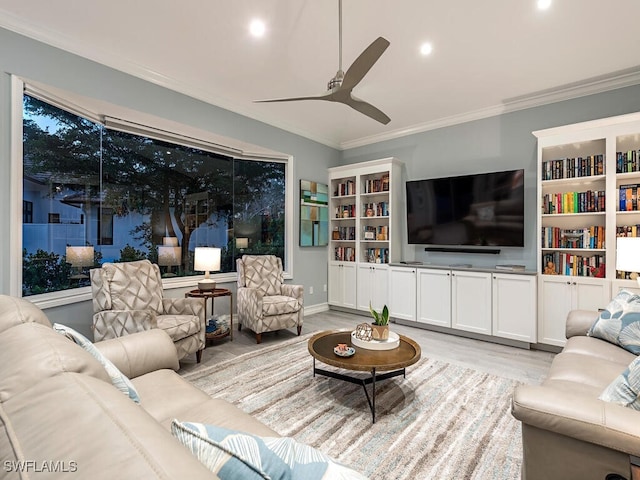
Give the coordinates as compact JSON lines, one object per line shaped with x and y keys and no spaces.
{"x":344,"y":351}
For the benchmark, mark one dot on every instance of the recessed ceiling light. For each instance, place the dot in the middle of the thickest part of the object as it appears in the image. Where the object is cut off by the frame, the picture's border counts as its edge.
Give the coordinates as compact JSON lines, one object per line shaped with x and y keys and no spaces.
{"x":426,"y":49}
{"x":544,"y":4}
{"x":257,"y":28}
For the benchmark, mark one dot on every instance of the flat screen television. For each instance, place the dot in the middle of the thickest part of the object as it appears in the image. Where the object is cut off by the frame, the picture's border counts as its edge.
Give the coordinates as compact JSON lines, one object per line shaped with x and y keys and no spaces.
{"x":485,"y":209}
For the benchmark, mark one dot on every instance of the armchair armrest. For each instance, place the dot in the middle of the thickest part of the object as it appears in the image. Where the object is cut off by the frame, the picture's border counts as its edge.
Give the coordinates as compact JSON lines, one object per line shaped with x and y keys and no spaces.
{"x":249,"y":300}
{"x":184,"y":306}
{"x":117,"y":323}
{"x":141,"y":352}
{"x":295,"y":291}
{"x":579,"y":322}
{"x":572,"y":415}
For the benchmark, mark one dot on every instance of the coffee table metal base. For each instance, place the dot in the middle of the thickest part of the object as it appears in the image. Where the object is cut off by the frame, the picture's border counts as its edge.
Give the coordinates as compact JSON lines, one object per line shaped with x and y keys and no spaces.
{"x":371,"y":399}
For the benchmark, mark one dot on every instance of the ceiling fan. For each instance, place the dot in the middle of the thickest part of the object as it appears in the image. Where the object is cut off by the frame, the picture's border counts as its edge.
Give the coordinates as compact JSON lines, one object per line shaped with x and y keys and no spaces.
{"x":339,"y":87}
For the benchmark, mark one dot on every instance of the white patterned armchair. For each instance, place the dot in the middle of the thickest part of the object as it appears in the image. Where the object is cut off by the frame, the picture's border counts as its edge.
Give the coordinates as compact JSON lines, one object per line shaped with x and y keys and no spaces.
{"x":128,"y":298}
{"x":265,"y":302}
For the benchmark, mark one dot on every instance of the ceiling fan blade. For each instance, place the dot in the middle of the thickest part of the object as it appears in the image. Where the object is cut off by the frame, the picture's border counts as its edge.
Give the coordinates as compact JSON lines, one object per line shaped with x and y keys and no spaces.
{"x":364,"y":62}
{"x":324,"y":96}
{"x":368,"y":110}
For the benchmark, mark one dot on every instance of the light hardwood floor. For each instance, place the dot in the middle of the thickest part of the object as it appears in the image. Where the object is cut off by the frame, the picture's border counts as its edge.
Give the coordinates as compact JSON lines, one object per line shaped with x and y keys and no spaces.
{"x":527,"y":366}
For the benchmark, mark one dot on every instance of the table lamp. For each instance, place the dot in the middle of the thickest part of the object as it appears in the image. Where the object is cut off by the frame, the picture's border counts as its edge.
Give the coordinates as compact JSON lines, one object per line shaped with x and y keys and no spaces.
{"x":80,"y":257}
{"x":169,"y":255}
{"x":242,"y":243}
{"x":628,"y":255}
{"x":206,"y":259}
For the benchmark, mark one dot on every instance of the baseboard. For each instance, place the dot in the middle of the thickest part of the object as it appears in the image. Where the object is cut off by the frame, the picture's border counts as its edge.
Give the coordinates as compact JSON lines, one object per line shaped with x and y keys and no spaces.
{"x":463,"y":333}
{"x":317,"y":308}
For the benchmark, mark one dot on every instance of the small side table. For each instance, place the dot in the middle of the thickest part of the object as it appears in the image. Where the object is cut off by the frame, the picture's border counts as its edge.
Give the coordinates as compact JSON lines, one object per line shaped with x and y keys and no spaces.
{"x":212,"y":294}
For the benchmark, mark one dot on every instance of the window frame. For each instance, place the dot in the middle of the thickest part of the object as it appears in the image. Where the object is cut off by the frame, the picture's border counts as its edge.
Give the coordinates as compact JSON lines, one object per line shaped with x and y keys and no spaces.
{"x":137,"y":123}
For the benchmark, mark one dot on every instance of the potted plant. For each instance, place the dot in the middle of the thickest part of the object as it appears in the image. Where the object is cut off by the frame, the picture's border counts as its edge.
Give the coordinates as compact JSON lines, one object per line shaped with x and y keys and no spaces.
{"x":380,"y":324}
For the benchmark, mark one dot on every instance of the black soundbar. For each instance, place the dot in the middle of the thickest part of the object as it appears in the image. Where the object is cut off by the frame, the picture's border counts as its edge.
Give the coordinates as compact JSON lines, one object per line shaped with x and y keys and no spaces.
{"x":493,"y":251}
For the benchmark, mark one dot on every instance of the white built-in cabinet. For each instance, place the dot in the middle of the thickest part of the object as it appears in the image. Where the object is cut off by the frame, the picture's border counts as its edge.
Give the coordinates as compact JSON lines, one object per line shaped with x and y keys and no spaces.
{"x":402,"y":293}
{"x":482,"y":302}
{"x":372,"y":286}
{"x":514,"y":306}
{"x":342,"y":284}
{"x":433,"y":290}
{"x":471,"y":301}
{"x":365,"y":231}
{"x":577,"y":164}
{"x":559,"y":294}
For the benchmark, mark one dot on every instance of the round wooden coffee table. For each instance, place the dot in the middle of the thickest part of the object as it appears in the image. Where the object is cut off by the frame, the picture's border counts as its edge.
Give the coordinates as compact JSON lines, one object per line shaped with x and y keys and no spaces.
{"x":394,"y":361}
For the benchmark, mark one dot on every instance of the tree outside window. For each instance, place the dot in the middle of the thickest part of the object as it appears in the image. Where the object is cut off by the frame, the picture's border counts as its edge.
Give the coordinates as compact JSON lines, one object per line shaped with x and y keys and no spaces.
{"x":132,"y":197}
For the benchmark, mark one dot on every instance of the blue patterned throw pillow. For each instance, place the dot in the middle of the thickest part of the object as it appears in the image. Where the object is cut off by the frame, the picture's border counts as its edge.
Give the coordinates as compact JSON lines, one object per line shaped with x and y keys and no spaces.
{"x":625,"y":389}
{"x":619,"y":323}
{"x":234,"y":455}
{"x":118,"y":379}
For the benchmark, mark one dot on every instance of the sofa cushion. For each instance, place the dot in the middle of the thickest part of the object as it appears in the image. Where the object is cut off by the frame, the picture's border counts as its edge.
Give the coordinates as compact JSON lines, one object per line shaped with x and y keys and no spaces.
{"x":619,"y":323}
{"x":625,"y":389}
{"x":14,"y":311}
{"x":234,"y":455}
{"x":76,"y":418}
{"x":30,"y":353}
{"x":166,"y":395}
{"x":118,"y":379}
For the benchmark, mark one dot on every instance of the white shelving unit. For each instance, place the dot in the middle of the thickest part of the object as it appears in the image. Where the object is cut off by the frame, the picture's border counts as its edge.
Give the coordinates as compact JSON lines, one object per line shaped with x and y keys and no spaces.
{"x":559,"y":151}
{"x":365,"y":209}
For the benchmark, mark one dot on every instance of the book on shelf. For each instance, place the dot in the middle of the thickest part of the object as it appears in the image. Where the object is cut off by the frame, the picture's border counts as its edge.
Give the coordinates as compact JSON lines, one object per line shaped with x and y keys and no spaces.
{"x":511,"y":268}
{"x":628,"y":197}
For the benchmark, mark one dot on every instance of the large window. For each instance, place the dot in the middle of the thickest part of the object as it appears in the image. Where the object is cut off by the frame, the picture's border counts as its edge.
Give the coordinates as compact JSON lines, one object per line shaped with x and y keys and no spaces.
{"x":129,"y":197}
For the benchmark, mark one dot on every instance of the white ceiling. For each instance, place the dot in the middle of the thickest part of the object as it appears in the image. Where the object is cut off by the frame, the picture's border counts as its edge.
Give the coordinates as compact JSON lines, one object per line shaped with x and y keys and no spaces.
{"x":488,"y":56}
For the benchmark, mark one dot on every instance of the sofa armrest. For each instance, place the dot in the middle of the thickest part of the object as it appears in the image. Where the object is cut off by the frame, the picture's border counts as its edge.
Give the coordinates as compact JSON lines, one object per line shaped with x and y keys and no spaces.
{"x":579,"y":322}
{"x":295,"y":291}
{"x":141,"y":352}
{"x":574,"y":415}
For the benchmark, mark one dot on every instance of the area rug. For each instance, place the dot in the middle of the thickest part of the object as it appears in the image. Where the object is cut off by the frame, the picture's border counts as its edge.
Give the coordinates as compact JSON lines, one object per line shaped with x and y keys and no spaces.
{"x":442,"y":421}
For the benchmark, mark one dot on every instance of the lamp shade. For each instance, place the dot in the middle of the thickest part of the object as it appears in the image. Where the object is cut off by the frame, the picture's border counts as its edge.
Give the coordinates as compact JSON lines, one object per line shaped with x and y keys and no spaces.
{"x":170,"y":241}
{"x":628,"y":254}
{"x":206,"y":259}
{"x":242,"y":242}
{"x":80,"y":256}
{"x":168,"y":256}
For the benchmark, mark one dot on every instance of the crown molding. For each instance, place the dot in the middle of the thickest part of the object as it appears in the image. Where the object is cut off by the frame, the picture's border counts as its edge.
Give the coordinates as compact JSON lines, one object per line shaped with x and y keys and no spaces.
{"x":591,"y":86}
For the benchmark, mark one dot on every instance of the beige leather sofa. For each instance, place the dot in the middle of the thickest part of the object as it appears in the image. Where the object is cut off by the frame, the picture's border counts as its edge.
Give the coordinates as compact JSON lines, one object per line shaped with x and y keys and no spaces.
{"x":61,"y":416}
{"x":567,"y":432}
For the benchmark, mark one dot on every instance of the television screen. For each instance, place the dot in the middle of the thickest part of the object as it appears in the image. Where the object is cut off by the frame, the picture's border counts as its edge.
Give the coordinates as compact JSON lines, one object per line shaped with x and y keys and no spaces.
{"x":485,"y":209}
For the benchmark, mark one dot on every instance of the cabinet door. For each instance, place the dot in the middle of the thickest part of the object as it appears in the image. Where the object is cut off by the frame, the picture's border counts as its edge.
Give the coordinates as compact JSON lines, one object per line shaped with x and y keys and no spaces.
{"x":372,"y":286}
{"x":364,"y":286}
{"x":349,"y":285}
{"x":555,"y":303}
{"x":336,"y":289}
{"x":514,"y":307}
{"x":434,"y":297}
{"x":590,"y":293}
{"x":402,"y":293}
{"x":342,"y":284}
{"x":471,"y":301}
{"x":380,"y":287}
